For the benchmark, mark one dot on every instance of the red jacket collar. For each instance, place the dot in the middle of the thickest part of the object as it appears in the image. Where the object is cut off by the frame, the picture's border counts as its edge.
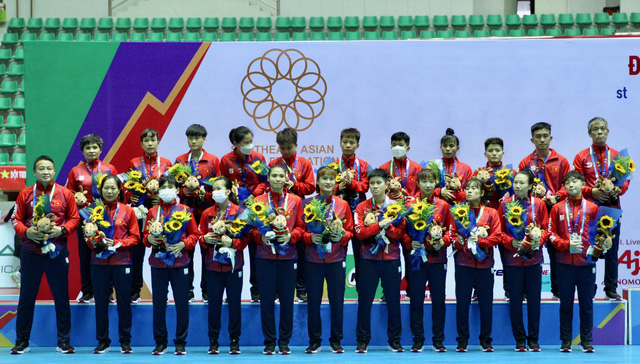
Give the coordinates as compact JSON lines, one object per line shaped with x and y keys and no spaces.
{"x":291,"y":160}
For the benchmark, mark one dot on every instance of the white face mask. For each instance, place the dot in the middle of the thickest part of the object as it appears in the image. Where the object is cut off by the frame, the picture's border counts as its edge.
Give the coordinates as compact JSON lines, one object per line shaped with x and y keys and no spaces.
{"x":168,"y":195}
{"x":219,"y":196}
{"x":246,"y":149}
{"x":399,"y":151}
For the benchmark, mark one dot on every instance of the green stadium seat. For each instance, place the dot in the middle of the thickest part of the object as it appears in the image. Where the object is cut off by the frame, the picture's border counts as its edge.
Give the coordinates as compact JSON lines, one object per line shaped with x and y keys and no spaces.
{"x":566,"y":20}
{"x":498,"y":33}
{"x":156,"y":37}
{"x":229,"y":24}
{"x":141,"y":24}
{"x":421,"y":22}
{"x":9,"y":140}
{"x":619,"y":19}
{"x":17,"y":24}
{"x":389,"y":35}
{"x":427,"y":34}
{"x":194,"y":24}
{"x":101,"y":37}
{"x":408,"y":34}
{"x":462,"y":34}
{"x":516,"y":33}
{"x":138,"y":37}
{"x":18,"y":104}
{"x":282,"y":36}
{"x":245,"y":37}
{"x":88,"y":24}
{"x":371,"y":35}
{"x":601,"y":19}
{"x":174,"y":37}
{"x":512,"y":20}
{"x":70,"y":24}
{"x":590,"y":31}
{"x":3,"y":70}
{"x":476,"y":21}
{"x":176,"y":24}
{"x":123,"y":24}
{"x":37,"y":24}
{"x":553,"y":32}
{"x":298,"y":23}
{"x":369,"y":23}
{"x":635,"y":19}
{"x":353,"y":35}
{"x":18,"y":55}
{"x":5,"y":103}
{"x":246,"y":24}
{"x":158,"y":24}
{"x":583,"y":19}
{"x":52,"y":24}
{"x":387,"y":22}
{"x":316,"y":23}
{"x":548,"y":20}
{"x":192,"y":36}
{"x":19,"y":159}
{"x":263,"y":24}
{"x":334,"y":23}
{"x":5,"y":54}
{"x":440,"y":21}
{"x":458,"y":21}
{"x":120,"y":37}
{"x":494,"y":20}
{"x":264,"y":36}
{"x":351,"y":23}
{"x":336,"y":36}
{"x":105,"y":24}
{"x":607,"y":31}
{"x":4,"y":158}
{"x":530,"y":20}
{"x":405,"y":22}
{"x":318,"y":36}
{"x":10,"y":39}
{"x":572,"y":32}
{"x":228,"y":37}
{"x":83,"y":37}
{"x":21,"y":88}
{"x":28,"y":37}
{"x":535,"y":32}
{"x":65,"y":37}
{"x":299,"y":36}
{"x":283,"y":23}
{"x":16,"y":70}
{"x":22,"y":142}
{"x":211,"y":24}
{"x":445,"y":33}
{"x":209,"y":36}
{"x":47,"y":36}
{"x":14,"y":122}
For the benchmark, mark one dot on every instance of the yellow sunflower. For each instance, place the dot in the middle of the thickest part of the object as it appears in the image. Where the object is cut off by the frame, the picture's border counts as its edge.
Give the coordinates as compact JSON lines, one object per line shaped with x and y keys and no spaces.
{"x":420,"y":225}
{"x":338,"y":178}
{"x":390,"y":215}
{"x":620,"y":168}
{"x":168,"y":227}
{"x":393,"y":209}
{"x":131,"y":185}
{"x":256,"y":164}
{"x":332,"y":165}
{"x":141,"y":189}
{"x":307,"y":209}
{"x":175,"y":225}
{"x":632,"y":166}
{"x":516,"y":210}
{"x":179,"y":215}
{"x":414,"y":217}
{"x":101,"y":179}
{"x":104,"y":224}
{"x":98,"y":211}
{"x":536,"y":180}
{"x":310,"y":217}
{"x":135,"y":174}
{"x":502,"y":173}
{"x":515,"y":220}
{"x":174,"y":167}
{"x":181,"y":177}
{"x":258,"y":208}
{"x":461,"y":214}
{"x":418,"y":207}
{"x":605,"y":222}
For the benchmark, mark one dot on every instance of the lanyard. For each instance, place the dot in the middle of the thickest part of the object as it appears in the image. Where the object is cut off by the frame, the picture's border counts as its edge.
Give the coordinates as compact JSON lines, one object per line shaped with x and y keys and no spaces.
{"x":329,"y":214}
{"x":226,"y":213}
{"x":540,"y":171}
{"x":284,"y":201}
{"x":603,"y":170}
{"x":243,"y":170}
{"x":531,"y":205}
{"x":172,"y":209}
{"x":114,"y":215}
{"x":292,"y":175}
{"x":569,"y":216}
{"x":479,"y":214}
{"x":396,"y":170}
{"x":47,"y":198}
{"x":144,"y":168}
{"x":356,"y":164}
{"x":195,"y":165}
{"x":94,"y":184}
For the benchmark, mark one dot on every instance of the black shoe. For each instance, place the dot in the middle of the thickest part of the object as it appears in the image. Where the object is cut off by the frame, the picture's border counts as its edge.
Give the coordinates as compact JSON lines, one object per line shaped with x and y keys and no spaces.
{"x":255,"y":296}
{"x":486,"y":346}
{"x":301,"y":296}
{"x":180,"y":349}
{"x":438,"y":347}
{"x":160,"y":349}
{"x":336,"y":347}
{"x":21,"y":348}
{"x":566,"y":346}
{"x":111,"y":298}
{"x":612,"y":295}
{"x":102,"y":348}
{"x":396,"y":347}
{"x":474,"y":296}
{"x":587,"y":347}
{"x":135,"y":298}
{"x":192,"y":297}
{"x":214,"y":348}
{"x":65,"y":348}
{"x":462,"y":347}
{"x":362,"y":347}
{"x":283,"y":348}
{"x":534,"y":346}
{"x":521,"y":345}
{"x":313,"y":348}
{"x":234,"y":347}
{"x":205,"y":297}
{"x":86,"y":298}
{"x":506,"y":296}
{"x":417,"y":346}
{"x":269,"y":349}
{"x":125,"y":347}
{"x":383,"y":298}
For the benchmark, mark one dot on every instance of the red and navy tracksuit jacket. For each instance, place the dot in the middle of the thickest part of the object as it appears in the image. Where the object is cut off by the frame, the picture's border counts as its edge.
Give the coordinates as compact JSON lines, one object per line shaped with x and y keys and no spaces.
{"x":366,"y":234}
{"x":441,"y":215}
{"x":494,"y":202}
{"x":238,"y":244}
{"x":235,"y":168}
{"x":207,"y":167}
{"x":462,"y":170}
{"x":126,"y":232}
{"x":542,"y":219}
{"x":80,"y":177}
{"x":360,"y":183}
{"x":465,"y":257}
{"x":338,"y":251}
{"x":408,"y":179}
{"x":554,"y":170}
{"x":559,"y":230}
{"x":584,"y":163}
{"x":149,"y":168}
{"x":299,"y":170}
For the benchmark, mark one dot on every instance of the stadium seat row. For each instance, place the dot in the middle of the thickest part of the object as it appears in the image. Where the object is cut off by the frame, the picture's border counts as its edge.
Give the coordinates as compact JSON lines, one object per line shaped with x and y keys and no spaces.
{"x":17,"y":159}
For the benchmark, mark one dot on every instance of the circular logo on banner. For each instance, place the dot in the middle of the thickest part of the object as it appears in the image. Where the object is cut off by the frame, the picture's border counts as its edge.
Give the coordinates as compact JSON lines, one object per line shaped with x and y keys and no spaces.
{"x":283,"y":88}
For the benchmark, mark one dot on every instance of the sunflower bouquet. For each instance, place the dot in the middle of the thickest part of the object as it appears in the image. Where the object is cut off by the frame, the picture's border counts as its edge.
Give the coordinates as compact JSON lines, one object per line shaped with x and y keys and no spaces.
{"x":621,"y":168}
{"x":503,"y":179}
{"x":600,"y":232}
{"x":315,"y":213}
{"x":96,"y":179}
{"x":179,"y":172}
{"x":238,"y":228}
{"x":175,"y":223}
{"x":97,"y":214}
{"x":418,"y":220}
{"x":135,"y":184}
{"x":465,"y":220}
{"x":258,"y":216}
{"x":516,"y":219}
{"x":259,"y":167}
{"x":433,"y":165}
{"x":42,"y":213}
{"x":396,"y":212}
